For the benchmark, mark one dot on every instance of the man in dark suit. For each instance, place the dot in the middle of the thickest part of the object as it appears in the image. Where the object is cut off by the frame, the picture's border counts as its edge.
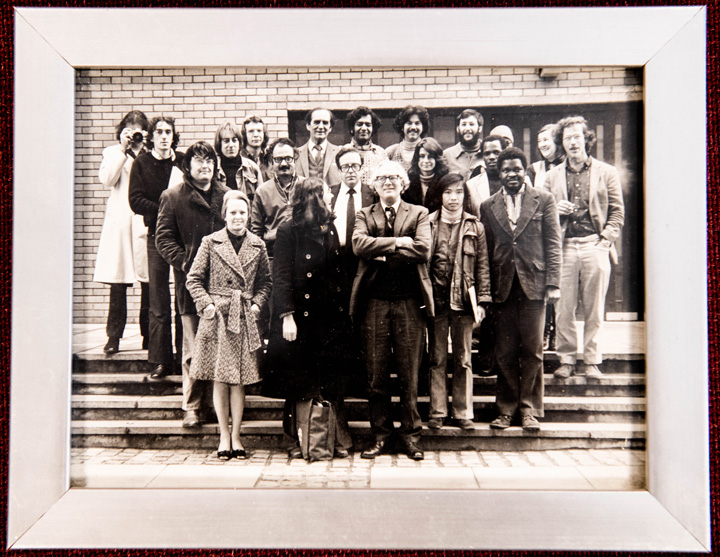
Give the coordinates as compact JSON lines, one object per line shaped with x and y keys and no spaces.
{"x":392,"y":239}
{"x":523,"y":234}
{"x":349,"y":197}
{"x":316,"y":159}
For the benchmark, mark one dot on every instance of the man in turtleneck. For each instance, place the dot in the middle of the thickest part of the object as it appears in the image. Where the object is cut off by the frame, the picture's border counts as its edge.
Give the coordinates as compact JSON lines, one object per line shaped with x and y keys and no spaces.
{"x":362,"y":123}
{"x":316,"y":159}
{"x":522,"y":229}
{"x":463,"y":157}
{"x":187,"y":213}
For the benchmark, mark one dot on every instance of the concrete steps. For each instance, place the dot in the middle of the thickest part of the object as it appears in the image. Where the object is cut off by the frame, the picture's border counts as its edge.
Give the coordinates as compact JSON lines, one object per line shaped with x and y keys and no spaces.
{"x":557,"y":409}
{"x":169,"y":434}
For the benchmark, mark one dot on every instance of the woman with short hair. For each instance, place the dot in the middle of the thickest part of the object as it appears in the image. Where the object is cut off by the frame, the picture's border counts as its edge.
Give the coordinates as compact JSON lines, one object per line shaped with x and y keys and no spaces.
{"x":230,"y":283}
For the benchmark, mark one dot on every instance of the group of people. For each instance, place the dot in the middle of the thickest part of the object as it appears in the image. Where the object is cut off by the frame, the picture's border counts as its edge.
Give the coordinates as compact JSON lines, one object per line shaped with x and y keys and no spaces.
{"x":318,"y":269}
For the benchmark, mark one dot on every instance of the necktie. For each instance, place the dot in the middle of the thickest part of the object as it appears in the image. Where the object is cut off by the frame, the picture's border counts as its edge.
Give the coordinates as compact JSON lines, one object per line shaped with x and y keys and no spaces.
{"x":390,"y":216}
{"x":350,"y":222}
{"x":317,"y":153}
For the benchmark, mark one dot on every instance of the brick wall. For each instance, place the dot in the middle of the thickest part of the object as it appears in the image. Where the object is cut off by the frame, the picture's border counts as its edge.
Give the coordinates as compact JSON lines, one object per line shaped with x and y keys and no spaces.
{"x":201,"y":98}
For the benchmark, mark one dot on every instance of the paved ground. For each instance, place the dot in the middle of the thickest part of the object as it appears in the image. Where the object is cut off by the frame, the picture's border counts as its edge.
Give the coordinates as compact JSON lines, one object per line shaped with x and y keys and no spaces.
{"x":528,"y":470}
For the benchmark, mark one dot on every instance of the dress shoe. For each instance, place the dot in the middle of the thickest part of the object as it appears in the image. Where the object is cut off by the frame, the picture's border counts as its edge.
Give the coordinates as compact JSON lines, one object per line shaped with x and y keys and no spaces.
{"x":564,"y":371}
{"x":529,"y":423}
{"x":294,"y":453}
{"x":503,"y":421}
{"x":341,"y":453}
{"x":463,"y":423}
{"x":435,"y":423}
{"x":239,"y":454}
{"x":376,"y":450}
{"x":191,"y":419}
{"x":414,"y":453}
{"x":112,"y":346}
{"x":593,"y":372}
{"x":160,"y":372}
{"x":224,"y":455}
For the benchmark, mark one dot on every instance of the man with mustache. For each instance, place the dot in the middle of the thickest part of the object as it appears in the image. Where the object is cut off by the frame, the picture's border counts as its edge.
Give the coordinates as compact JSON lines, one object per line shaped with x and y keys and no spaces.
{"x":272,"y":199}
{"x":523,"y":237}
{"x":316,"y":159}
{"x":590,"y":202}
{"x":463,"y":157}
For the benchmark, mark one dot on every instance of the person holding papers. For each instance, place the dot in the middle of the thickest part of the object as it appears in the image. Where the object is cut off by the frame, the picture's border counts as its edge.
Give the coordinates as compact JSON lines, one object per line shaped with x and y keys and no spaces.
{"x":460,"y":278}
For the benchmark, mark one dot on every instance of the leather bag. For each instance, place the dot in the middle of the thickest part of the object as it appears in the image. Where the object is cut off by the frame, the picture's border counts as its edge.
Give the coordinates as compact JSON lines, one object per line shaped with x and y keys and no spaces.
{"x":316,"y":429}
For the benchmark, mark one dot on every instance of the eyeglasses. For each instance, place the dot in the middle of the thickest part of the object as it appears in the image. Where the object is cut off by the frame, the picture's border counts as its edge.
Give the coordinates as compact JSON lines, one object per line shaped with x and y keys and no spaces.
{"x":354,"y":166}
{"x":280,"y":160}
{"x":382,"y":179}
{"x":203,"y":162}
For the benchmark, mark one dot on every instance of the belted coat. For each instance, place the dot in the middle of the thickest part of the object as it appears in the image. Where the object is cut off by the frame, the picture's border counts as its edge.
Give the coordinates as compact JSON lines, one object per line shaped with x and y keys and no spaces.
{"x":226,"y":345}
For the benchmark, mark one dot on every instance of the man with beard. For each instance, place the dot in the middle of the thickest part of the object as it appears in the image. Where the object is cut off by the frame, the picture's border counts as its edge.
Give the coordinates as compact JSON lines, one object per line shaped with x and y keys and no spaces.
{"x":590,"y":202}
{"x":316,"y":159}
{"x":362,"y":123}
{"x":522,"y":229}
{"x":188,"y":212}
{"x":485,"y":182}
{"x":272,"y":199}
{"x":465,"y":156}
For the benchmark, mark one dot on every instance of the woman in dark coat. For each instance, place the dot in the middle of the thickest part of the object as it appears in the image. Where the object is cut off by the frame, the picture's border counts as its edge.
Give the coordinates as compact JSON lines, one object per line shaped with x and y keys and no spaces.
{"x":426,"y":169}
{"x":311,"y":344}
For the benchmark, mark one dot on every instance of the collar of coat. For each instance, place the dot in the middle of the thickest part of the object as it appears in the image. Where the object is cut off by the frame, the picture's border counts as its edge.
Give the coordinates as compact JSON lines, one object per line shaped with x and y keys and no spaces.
{"x":529,"y":206}
{"x":251,"y":247}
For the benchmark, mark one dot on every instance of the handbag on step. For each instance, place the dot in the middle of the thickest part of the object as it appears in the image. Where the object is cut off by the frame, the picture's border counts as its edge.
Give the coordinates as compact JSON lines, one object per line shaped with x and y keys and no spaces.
{"x":316,"y":429}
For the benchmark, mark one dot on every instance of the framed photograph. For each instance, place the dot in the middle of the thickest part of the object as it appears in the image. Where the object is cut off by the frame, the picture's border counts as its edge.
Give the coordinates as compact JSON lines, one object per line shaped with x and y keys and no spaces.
{"x":53,"y":45}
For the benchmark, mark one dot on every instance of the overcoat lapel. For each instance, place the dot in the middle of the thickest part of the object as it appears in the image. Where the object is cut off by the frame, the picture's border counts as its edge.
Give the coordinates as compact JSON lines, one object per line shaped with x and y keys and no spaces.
{"x":226,"y":252}
{"x":527,"y":210}
{"x":500,"y":212}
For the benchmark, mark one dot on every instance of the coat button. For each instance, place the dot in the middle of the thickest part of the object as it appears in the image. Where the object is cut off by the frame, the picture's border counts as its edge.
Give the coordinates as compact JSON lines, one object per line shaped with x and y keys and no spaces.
{"x":305,"y":313}
{"x":339,"y":289}
{"x":309,"y":275}
{"x":340,"y":309}
{"x":307,"y":256}
{"x":307,"y":296}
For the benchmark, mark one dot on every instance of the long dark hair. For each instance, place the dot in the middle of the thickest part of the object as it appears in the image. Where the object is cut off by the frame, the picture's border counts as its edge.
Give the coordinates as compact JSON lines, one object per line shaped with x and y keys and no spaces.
{"x":435,"y":151}
{"x":309,"y":212}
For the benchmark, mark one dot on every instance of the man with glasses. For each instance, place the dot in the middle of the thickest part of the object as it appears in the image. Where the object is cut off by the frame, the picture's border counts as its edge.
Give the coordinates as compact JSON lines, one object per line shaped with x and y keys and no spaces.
{"x":188,"y":213}
{"x":316,"y":159}
{"x":391,"y":297}
{"x":272,"y":199}
{"x":348,"y":198}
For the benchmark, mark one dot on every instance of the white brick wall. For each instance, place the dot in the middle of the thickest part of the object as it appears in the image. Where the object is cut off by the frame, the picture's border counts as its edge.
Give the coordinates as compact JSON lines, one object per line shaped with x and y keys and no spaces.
{"x":201,"y":98}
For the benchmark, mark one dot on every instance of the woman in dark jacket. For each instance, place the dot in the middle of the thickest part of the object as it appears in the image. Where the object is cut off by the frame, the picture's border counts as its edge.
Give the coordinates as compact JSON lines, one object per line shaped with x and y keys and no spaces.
{"x":426,"y":169}
{"x":311,"y":340}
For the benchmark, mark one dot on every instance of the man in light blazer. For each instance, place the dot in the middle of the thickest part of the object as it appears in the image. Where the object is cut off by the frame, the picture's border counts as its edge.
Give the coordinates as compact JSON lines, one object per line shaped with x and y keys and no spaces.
{"x":590,"y":203}
{"x":316,"y":159}
{"x":392,"y":239}
{"x":522,"y":229}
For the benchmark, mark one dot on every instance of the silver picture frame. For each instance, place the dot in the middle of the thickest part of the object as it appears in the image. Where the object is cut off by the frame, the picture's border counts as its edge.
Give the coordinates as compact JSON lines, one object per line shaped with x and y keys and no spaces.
{"x":673,"y":514}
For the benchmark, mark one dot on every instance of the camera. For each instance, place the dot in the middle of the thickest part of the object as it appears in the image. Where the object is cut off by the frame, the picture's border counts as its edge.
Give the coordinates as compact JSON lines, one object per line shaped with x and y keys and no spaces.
{"x":138,"y":137}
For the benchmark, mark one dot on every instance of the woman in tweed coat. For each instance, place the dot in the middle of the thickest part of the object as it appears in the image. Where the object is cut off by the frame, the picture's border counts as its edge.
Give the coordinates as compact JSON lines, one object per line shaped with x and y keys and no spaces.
{"x":230,"y":283}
